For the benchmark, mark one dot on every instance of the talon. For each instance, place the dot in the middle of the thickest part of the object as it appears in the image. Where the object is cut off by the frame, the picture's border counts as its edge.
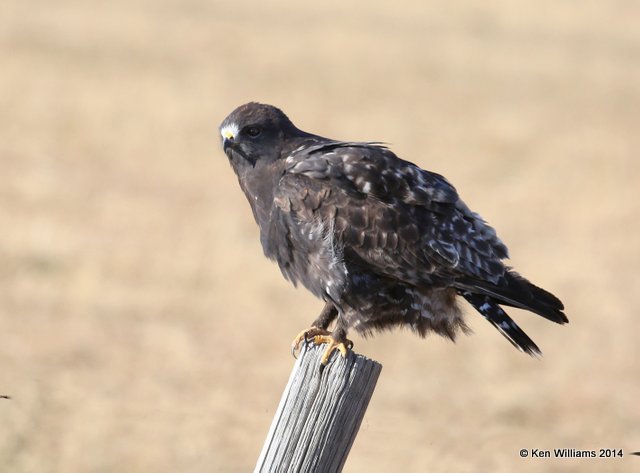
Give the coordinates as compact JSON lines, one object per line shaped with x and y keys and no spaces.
{"x":319,"y":336}
{"x":306,"y":335}
{"x":332,"y":345}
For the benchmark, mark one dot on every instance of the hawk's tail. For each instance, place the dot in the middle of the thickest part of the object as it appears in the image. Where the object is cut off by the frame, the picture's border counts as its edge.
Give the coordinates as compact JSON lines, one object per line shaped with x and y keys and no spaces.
{"x":515,"y":291}
{"x":491,"y":311}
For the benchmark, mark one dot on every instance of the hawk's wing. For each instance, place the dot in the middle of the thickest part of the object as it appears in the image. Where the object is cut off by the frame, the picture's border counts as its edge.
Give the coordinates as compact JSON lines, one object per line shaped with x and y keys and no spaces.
{"x":402,"y":221}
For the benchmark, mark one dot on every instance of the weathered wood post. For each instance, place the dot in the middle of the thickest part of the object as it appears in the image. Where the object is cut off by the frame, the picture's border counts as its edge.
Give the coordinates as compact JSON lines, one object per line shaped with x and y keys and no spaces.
{"x":319,"y":414}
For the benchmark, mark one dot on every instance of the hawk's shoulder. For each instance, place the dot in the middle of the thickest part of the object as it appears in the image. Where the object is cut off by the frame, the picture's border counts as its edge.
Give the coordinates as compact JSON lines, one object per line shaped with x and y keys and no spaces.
{"x":371,"y":169}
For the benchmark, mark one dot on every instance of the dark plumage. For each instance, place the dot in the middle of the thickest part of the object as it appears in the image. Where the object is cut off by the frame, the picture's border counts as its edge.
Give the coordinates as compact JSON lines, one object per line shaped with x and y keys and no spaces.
{"x":381,"y":241}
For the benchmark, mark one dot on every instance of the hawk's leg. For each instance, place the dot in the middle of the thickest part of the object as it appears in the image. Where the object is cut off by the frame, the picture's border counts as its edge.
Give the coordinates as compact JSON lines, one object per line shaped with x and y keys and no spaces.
{"x":318,"y":327}
{"x":337,"y":340}
{"x":328,"y":315}
{"x":318,"y":334}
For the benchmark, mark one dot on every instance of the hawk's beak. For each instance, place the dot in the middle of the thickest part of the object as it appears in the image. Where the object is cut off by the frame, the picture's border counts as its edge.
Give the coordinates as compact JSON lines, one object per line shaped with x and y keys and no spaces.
{"x":226,"y":143}
{"x":227,"y":140}
{"x":228,"y":137}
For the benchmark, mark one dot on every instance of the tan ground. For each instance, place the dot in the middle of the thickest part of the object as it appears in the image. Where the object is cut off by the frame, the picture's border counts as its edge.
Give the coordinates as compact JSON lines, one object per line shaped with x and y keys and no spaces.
{"x":141,"y":330}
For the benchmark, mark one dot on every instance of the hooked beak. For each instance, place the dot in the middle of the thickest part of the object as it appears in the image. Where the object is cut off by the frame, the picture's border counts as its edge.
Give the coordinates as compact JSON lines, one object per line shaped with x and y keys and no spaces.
{"x":228,"y":134}
{"x":230,"y":145}
{"x":227,"y":143}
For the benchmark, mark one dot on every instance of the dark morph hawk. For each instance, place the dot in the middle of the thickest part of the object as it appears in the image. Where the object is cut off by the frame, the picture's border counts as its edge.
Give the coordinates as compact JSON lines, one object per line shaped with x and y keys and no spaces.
{"x":381,"y":241}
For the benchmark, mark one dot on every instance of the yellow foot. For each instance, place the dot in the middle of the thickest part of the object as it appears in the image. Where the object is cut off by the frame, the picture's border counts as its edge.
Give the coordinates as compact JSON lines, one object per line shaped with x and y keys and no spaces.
{"x":332,"y":346}
{"x":318,"y":336}
{"x":306,"y":336}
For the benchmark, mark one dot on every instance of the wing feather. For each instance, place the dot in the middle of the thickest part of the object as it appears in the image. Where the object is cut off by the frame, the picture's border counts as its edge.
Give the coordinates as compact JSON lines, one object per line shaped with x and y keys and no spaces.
{"x":401,"y":220}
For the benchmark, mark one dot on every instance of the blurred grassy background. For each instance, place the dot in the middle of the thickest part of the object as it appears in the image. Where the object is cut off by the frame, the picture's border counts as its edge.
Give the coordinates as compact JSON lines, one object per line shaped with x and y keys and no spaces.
{"x":141,"y":328}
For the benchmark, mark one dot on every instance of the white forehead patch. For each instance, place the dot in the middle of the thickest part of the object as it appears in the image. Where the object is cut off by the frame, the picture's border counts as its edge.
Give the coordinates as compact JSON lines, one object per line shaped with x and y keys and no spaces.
{"x":229,"y":131}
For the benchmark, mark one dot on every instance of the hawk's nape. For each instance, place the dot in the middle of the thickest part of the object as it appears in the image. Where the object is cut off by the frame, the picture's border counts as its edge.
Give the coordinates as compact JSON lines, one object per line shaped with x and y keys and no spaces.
{"x":383,"y":242}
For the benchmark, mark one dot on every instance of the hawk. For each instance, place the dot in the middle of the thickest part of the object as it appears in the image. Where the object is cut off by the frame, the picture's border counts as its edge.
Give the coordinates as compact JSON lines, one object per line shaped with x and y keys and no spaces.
{"x":381,"y":241}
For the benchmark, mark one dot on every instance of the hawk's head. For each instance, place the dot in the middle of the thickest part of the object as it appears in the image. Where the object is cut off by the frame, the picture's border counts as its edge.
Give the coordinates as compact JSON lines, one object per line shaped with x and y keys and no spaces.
{"x":255,"y":132}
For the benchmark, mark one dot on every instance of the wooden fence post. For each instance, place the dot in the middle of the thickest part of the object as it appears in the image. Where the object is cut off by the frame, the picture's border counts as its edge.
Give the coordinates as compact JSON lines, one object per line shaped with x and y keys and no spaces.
{"x":319,"y":414}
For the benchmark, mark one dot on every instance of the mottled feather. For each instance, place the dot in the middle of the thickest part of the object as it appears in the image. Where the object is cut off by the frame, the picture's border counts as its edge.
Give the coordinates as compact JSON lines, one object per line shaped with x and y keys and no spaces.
{"x":383,"y":242}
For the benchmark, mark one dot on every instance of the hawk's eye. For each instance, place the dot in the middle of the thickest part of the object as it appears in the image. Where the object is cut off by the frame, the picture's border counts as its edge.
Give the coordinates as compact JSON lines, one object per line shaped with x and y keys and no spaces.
{"x":252,"y":131}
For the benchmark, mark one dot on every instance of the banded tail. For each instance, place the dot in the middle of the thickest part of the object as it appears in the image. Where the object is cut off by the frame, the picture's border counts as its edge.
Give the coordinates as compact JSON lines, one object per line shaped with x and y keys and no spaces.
{"x":515,"y":291}
{"x":501,"y":321}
